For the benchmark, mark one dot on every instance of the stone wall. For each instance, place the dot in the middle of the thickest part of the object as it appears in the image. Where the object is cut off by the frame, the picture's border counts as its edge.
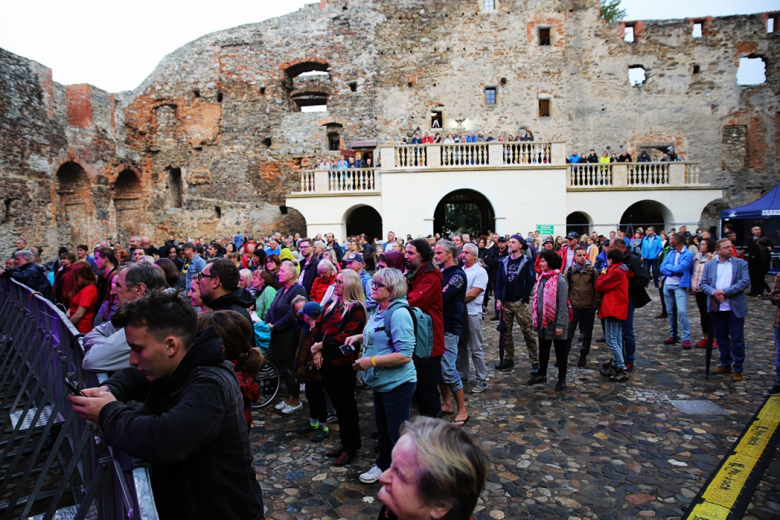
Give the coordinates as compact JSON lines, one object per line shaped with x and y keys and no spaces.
{"x":213,"y":139}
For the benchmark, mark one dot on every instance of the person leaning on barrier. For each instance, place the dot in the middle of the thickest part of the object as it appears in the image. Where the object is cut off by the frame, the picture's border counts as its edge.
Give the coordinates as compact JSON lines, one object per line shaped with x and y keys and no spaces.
{"x":29,"y":274}
{"x":106,"y":348}
{"x":191,"y":426}
{"x":438,"y":472}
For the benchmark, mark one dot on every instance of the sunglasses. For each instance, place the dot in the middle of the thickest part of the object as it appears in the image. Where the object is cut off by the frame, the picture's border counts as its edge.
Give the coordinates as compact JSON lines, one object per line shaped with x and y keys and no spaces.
{"x":377,"y":285}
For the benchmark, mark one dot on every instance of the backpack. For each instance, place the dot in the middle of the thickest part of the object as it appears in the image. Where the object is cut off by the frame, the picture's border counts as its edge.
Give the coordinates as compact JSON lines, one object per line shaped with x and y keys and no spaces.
{"x":423,"y":329}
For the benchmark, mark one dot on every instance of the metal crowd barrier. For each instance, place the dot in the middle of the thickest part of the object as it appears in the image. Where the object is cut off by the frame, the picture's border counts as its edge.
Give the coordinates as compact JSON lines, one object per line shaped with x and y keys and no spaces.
{"x":51,"y":461}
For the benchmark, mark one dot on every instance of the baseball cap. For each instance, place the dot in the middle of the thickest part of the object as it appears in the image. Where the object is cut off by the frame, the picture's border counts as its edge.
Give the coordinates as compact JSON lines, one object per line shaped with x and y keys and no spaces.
{"x":502,"y":239}
{"x":312,"y":309}
{"x":354,"y":257}
{"x":573,"y":236}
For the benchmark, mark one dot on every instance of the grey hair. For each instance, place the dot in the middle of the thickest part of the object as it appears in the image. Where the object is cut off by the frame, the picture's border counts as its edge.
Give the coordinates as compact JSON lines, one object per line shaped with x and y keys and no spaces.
{"x":471,"y":247}
{"x":327,"y":264}
{"x":393,"y":280}
{"x":24,"y":253}
{"x":148,"y":274}
{"x":299,"y":298}
{"x":320,"y":244}
{"x":449,"y":247}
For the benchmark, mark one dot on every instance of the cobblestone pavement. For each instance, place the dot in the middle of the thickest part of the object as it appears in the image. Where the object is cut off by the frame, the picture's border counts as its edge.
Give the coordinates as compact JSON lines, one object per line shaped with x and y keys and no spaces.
{"x":598,"y":450}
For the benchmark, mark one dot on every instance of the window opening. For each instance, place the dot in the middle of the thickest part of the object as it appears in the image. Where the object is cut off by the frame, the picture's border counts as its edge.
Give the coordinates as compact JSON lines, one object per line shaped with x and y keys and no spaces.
{"x":311,"y":73}
{"x":267,"y":141}
{"x":353,"y":86}
{"x":490,"y":5}
{"x":219,"y":97}
{"x":696,"y":33}
{"x":696,"y":69}
{"x":544,"y":36}
{"x":629,"y":34}
{"x":752,"y":71}
{"x":636,"y":75}
{"x":218,"y":211}
{"x":544,"y":108}
{"x":196,"y":93}
{"x":334,"y":142}
{"x":770,"y":25}
{"x":262,"y":90}
{"x":174,"y":187}
{"x":315,"y":108}
{"x":490,"y":96}
{"x":437,"y":119}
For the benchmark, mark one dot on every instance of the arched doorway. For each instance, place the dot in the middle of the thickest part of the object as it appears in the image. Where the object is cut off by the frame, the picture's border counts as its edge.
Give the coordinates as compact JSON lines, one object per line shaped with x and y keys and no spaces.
{"x":128,"y":202}
{"x":645,"y":213}
{"x":577,"y":222}
{"x":75,"y":208}
{"x":464,"y":211}
{"x":365,"y":219}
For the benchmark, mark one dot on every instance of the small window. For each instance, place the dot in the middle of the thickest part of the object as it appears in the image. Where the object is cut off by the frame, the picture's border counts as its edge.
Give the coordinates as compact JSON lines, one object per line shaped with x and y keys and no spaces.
{"x":436,"y":119}
{"x":174,"y":188}
{"x":752,"y":71}
{"x":770,"y":25}
{"x":490,"y":5}
{"x":696,"y":30}
{"x":629,"y":34}
{"x":544,"y":108}
{"x":262,"y":91}
{"x":636,"y":75}
{"x":696,"y":69}
{"x":353,"y":86}
{"x":544,"y":36}
{"x":490,"y":96}
{"x":334,"y":142}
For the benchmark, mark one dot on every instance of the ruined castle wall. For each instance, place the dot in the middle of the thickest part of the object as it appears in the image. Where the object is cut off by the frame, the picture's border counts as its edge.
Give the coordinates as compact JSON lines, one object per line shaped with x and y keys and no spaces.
{"x":213,"y":140}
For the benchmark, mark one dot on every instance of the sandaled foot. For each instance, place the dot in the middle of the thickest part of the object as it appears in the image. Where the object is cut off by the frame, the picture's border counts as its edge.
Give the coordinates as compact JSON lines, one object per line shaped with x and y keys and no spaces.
{"x":461,"y":422}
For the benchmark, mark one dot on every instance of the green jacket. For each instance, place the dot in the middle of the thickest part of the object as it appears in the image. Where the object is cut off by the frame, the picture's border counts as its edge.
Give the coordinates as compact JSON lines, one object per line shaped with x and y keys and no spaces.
{"x":263,"y":301}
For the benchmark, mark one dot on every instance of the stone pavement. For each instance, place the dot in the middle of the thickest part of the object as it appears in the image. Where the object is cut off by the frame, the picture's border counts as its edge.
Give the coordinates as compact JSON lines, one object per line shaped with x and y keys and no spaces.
{"x":598,"y":450}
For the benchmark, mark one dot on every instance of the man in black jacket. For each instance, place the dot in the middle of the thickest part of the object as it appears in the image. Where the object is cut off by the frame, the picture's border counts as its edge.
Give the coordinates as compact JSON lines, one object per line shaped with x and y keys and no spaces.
{"x":308,"y":264}
{"x":191,"y":426}
{"x":495,"y":253}
{"x":219,"y":290}
{"x":757,"y":267}
{"x":29,"y":274}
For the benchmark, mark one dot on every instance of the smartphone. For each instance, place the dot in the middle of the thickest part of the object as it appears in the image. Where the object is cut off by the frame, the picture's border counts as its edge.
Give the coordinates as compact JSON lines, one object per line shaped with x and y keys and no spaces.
{"x":73,"y":388}
{"x":347,"y":349}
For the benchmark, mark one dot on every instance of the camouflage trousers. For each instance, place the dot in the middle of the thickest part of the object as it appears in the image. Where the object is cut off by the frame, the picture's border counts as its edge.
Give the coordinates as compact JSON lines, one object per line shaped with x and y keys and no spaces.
{"x":520,"y":312}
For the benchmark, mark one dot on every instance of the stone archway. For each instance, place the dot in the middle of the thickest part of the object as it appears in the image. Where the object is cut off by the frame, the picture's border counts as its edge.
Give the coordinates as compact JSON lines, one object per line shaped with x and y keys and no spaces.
{"x":128,"y":202}
{"x":464,"y":211}
{"x":75,"y":205}
{"x":364,"y":219}
{"x":578,"y":222}
{"x":646,"y":213}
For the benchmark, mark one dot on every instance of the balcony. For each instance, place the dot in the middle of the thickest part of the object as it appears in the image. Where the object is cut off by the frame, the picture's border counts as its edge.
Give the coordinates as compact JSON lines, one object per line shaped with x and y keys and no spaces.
{"x":473,"y":155}
{"x":652,"y":175}
{"x":339,"y":182}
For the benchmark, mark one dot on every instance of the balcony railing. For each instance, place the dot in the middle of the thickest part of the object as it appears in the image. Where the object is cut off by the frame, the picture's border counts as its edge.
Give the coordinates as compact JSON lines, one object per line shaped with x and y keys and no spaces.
{"x":469,"y":155}
{"x":355,"y":180}
{"x":614,"y":175}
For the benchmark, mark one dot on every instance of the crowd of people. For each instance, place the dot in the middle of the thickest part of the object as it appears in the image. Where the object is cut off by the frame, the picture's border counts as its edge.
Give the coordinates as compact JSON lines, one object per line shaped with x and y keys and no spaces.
{"x":523,"y":134}
{"x":606,"y":157}
{"x":401,"y":317}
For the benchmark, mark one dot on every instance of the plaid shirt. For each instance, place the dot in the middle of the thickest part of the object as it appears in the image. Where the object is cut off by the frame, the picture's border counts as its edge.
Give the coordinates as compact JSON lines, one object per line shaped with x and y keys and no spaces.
{"x":774,"y":297}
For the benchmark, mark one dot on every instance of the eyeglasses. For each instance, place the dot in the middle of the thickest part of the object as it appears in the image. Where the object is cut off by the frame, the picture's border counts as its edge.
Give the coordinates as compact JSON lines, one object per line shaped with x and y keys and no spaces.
{"x":338,"y":282}
{"x":377,"y":285}
{"x":201,"y":275}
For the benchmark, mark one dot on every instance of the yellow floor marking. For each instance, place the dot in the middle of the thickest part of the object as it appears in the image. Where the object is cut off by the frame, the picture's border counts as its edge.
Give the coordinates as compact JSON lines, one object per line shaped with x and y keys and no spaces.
{"x":707,"y":511}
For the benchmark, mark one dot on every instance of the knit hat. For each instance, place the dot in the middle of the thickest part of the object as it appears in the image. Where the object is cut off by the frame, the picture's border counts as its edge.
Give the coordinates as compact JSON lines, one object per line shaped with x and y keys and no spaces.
{"x":520,"y":239}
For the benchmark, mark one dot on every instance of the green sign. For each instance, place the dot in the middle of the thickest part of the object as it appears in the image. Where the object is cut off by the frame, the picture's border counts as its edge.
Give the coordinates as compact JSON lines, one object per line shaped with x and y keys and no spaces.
{"x":544,"y":229}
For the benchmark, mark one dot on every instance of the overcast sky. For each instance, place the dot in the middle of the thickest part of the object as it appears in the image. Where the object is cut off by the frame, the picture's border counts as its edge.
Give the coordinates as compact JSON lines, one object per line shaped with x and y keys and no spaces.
{"x":115,"y":45}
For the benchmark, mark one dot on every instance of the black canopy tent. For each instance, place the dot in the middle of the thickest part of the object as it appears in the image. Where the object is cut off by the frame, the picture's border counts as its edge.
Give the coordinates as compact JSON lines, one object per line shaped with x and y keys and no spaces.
{"x":764,"y":212}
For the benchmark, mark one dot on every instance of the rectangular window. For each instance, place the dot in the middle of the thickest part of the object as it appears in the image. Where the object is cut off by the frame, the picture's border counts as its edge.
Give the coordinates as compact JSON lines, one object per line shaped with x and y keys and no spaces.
{"x":696,"y":30}
{"x":490,"y":5}
{"x":544,"y":108}
{"x":629,"y":34}
{"x":770,"y":25}
{"x":696,"y":69}
{"x":544,"y":36}
{"x":436,"y":119}
{"x":490,"y":96}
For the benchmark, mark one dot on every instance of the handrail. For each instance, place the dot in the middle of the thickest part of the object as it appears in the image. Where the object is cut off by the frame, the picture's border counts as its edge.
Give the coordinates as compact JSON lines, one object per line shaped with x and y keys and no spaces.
{"x":35,"y":358}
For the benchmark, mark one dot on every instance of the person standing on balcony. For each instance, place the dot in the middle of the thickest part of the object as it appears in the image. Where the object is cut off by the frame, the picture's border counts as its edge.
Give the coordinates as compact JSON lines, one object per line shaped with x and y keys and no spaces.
{"x":592,"y":158}
{"x":624,"y":156}
{"x":416,"y":139}
{"x":427,"y":139}
{"x":676,"y":269}
{"x":644,"y":157}
{"x":652,"y":245}
{"x":514,"y":286}
{"x":342,"y":164}
{"x":604,"y":159}
{"x":574,"y":158}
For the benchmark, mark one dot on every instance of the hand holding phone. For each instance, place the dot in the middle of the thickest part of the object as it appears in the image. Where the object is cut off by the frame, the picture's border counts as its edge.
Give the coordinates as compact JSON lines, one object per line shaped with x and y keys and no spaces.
{"x":74,"y":389}
{"x":347,"y":349}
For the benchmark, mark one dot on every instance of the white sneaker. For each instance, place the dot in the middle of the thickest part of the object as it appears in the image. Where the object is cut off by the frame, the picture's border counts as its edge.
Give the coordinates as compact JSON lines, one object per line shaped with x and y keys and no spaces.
{"x":280,"y":405}
{"x":371,"y":476}
{"x":292,"y":409}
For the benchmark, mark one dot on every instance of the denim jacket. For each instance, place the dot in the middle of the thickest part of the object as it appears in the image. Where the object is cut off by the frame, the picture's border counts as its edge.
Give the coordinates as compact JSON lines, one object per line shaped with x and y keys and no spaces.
{"x":377,"y":343}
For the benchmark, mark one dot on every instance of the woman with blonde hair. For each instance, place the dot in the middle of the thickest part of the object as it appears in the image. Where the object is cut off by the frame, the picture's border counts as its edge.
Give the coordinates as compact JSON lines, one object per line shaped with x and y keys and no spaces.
{"x":265,"y":291}
{"x":326,"y":272}
{"x":245,"y":281}
{"x":343,"y":317}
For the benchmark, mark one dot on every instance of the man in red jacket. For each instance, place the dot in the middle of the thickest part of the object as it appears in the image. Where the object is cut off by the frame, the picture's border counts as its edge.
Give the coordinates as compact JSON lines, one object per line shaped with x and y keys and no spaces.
{"x":424,"y":292}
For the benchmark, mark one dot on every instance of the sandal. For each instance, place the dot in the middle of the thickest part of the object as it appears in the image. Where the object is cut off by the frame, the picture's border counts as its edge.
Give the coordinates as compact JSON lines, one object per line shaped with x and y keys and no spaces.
{"x":461,"y":422}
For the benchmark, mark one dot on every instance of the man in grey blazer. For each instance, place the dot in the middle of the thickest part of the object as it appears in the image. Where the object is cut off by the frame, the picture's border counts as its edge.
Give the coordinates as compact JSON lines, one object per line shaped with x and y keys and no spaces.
{"x":725,"y":282}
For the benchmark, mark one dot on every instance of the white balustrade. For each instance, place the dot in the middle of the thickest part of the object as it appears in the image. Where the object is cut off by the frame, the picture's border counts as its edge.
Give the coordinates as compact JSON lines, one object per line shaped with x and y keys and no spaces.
{"x":308,"y":181}
{"x":691,"y":173}
{"x":465,"y":154}
{"x":582,"y":175}
{"x":648,"y":174}
{"x":411,"y":156}
{"x":527,"y":153}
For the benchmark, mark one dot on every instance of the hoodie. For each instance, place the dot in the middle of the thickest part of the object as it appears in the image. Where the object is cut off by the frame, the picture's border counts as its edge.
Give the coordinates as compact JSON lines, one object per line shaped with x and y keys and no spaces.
{"x":191,"y":430}
{"x":394,"y":259}
{"x":613,"y":287}
{"x":239,"y":300}
{"x":425,"y":294}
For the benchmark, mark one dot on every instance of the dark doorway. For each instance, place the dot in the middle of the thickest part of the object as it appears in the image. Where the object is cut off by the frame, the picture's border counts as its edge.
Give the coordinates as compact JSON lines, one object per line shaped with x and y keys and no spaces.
{"x":642,"y":214}
{"x":464,"y":211}
{"x":365,"y":219}
{"x":128,"y":202}
{"x":75,"y":218}
{"x":577,"y":222}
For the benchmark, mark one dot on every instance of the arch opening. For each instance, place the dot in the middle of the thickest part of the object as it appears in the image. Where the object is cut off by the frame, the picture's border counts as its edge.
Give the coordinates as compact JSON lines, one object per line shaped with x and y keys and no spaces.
{"x":75,"y":204}
{"x":175,"y":191}
{"x":578,"y":222}
{"x":364,"y":219}
{"x":645,"y":213}
{"x":128,"y":202}
{"x":464,"y":211}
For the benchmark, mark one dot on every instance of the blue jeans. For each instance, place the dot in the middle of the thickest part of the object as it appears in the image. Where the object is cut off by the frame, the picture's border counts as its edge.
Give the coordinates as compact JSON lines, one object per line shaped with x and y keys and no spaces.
{"x":613,"y":329}
{"x":629,"y":339}
{"x":730,"y":333}
{"x":449,"y":372}
{"x":652,"y":262}
{"x":391,"y":409}
{"x":777,"y":355}
{"x":677,"y":304}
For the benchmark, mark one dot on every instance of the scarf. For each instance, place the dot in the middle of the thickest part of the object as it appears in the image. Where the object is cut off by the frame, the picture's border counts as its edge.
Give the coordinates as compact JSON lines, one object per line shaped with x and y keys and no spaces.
{"x":550,"y":296}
